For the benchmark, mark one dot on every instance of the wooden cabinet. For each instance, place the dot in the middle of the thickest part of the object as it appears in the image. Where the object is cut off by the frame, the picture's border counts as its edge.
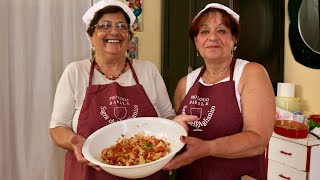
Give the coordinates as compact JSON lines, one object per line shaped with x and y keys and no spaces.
{"x":293,"y":158}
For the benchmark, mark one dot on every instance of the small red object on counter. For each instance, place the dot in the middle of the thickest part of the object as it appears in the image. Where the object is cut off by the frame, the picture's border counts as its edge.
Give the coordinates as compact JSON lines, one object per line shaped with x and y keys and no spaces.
{"x":315,"y":118}
{"x":291,"y":129}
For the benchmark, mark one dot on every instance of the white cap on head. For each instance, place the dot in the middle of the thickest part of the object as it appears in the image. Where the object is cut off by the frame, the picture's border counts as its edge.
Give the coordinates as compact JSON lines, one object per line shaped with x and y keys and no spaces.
{"x":219,"y":6}
{"x":88,"y":16}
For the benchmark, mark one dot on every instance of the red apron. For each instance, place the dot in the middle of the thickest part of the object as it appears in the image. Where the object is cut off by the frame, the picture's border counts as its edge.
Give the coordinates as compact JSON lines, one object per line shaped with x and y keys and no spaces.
{"x":219,"y":116}
{"x":103,"y":105}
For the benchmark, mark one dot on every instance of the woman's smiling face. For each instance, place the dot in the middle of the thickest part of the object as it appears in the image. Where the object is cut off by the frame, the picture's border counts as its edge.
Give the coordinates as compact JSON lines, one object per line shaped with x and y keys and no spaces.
{"x":214,"y":40}
{"x":112,"y":41}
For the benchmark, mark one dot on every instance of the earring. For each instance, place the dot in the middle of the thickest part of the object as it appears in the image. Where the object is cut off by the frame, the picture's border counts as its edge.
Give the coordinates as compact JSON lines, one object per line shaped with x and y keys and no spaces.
{"x":235,"y":46}
{"x":197,"y":52}
{"x":92,"y":51}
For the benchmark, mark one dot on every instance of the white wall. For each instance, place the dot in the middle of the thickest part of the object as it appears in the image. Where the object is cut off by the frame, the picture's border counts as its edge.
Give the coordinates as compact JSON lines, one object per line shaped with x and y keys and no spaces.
{"x":149,"y":45}
{"x":307,"y":80}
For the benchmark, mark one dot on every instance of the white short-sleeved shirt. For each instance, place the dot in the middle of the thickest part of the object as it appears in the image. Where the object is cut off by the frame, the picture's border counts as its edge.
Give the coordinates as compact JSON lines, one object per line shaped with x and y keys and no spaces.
{"x":239,"y":66}
{"x":71,"y":89}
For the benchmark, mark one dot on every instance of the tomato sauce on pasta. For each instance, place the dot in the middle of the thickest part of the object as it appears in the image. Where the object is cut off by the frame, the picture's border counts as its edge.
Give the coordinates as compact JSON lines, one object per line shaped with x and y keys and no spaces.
{"x":135,"y":150}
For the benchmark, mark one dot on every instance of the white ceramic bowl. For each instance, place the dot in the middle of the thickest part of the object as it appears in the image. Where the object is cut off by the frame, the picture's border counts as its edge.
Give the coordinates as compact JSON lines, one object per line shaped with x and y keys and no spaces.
{"x":108,"y":135}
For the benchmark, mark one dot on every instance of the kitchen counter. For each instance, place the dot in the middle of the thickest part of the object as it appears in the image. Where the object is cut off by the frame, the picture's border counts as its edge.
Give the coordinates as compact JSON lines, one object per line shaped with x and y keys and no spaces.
{"x":290,"y":158}
{"x":310,"y":140}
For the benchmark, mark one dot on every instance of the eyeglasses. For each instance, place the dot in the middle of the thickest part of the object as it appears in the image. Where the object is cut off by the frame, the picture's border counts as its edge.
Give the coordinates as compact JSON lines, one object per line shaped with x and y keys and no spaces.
{"x":107,"y":26}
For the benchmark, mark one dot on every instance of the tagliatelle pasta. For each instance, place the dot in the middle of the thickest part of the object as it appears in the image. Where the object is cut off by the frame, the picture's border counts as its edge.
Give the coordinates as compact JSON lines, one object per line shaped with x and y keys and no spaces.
{"x":135,"y":150}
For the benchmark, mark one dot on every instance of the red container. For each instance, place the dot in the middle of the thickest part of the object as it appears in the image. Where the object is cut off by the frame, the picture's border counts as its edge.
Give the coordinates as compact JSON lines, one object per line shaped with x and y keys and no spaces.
{"x":315,"y":117}
{"x":291,"y":129}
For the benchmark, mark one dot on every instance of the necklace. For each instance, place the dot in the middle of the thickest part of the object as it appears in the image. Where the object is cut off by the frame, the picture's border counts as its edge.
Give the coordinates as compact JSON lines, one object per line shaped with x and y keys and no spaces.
{"x":222,"y":76}
{"x":112,"y":77}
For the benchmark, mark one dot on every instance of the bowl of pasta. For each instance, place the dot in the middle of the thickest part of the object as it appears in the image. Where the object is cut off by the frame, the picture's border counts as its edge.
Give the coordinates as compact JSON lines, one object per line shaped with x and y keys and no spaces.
{"x":134,"y":148}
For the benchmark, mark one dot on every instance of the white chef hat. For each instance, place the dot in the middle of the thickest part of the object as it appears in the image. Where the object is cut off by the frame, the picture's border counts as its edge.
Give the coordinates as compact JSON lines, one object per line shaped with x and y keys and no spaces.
{"x":219,"y":6}
{"x":88,"y":16}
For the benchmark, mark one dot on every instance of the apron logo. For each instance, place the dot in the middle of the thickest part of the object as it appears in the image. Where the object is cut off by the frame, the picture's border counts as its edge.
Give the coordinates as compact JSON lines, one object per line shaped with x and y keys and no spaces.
{"x":196,"y":112}
{"x":103,"y":112}
{"x":201,"y":104}
{"x":120,"y":112}
{"x":105,"y":115}
{"x":135,"y":111}
{"x":199,"y":101}
{"x":184,"y":109}
{"x":117,"y":100}
{"x":197,"y":124}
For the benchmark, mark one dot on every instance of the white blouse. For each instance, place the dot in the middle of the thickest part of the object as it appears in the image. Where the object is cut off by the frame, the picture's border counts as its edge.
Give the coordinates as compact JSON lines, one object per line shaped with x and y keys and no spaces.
{"x":73,"y":83}
{"x":239,"y":66}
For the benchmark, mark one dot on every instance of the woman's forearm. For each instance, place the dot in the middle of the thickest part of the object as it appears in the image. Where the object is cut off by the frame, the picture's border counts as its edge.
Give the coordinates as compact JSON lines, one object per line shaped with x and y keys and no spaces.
{"x":61,"y":137}
{"x":245,"y":144}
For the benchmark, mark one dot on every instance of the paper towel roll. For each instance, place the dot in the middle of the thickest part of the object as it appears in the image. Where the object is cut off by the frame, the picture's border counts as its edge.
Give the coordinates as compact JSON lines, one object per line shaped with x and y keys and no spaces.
{"x":285,"y":89}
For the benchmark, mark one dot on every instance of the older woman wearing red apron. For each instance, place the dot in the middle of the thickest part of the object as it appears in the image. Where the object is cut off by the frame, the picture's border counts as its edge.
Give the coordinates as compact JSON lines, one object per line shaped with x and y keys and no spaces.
{"x":233,"y":100}
{"x":94,"y":93}
{"x":225,"y":120}
{"x":91,"y":120}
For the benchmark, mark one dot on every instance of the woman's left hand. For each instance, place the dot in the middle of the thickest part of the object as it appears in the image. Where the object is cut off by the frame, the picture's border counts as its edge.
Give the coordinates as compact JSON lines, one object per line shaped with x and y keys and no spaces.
{"x":196,"y":149}
{"x":77,"y":142}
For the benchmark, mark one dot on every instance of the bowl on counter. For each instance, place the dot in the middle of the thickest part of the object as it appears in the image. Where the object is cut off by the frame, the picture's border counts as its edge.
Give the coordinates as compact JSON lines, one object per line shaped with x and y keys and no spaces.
{"x":291,"y":129}
{"x":107,"y":136}
{"x":315,"y":117}
{"x":291,"y":104}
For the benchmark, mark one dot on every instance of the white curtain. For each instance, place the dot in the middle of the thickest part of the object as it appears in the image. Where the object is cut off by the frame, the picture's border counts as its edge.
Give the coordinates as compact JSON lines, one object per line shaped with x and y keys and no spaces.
{"x":38,"y":38}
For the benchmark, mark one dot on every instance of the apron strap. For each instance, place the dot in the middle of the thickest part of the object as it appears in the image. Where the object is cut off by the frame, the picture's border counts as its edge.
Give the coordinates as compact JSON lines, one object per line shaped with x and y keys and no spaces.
{"x":232,"y":65}
{"x":93,"y":62}
{"x":133,"y":72}
{"x":200,"y":74}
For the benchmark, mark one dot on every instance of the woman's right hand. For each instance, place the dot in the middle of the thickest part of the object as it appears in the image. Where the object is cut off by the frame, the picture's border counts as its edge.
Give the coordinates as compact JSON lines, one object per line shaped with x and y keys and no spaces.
{"x":77,"y":142}
{"x":195,"y":149}
{"x":183,"y":119}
